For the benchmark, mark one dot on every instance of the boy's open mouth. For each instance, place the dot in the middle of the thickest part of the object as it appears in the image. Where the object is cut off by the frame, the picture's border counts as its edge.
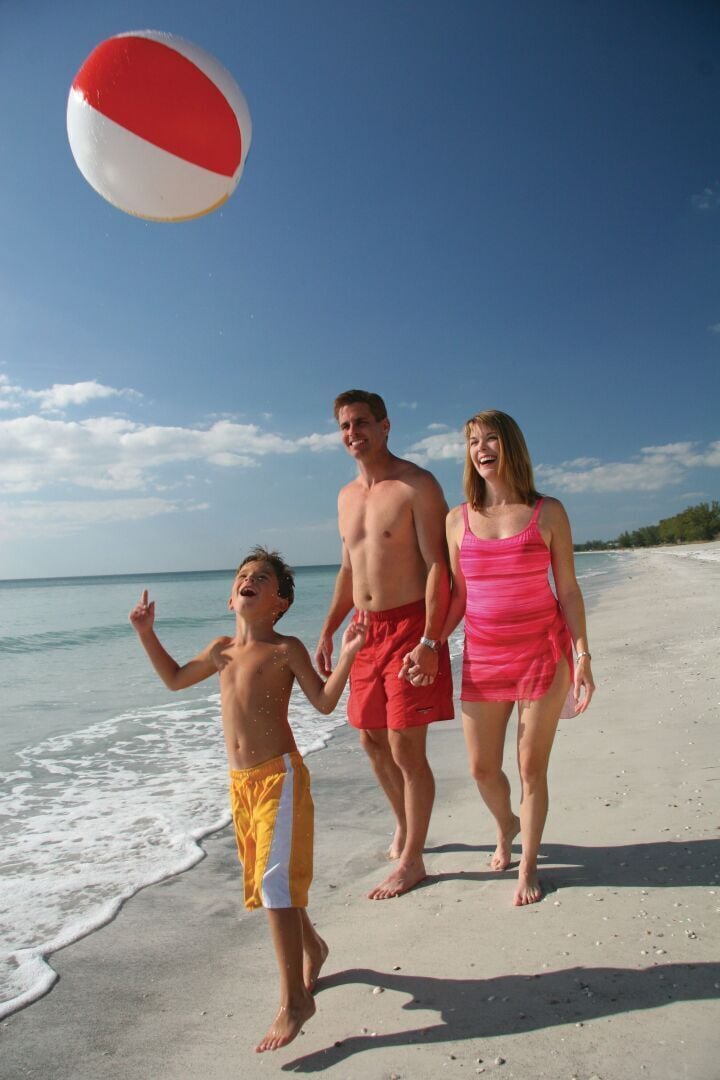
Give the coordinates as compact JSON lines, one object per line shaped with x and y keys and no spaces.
{"x":247,"y":590}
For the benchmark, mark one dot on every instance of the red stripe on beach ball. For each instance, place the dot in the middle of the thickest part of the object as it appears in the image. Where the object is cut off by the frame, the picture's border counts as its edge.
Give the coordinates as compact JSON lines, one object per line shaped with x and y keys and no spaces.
{"x":160,"y":95}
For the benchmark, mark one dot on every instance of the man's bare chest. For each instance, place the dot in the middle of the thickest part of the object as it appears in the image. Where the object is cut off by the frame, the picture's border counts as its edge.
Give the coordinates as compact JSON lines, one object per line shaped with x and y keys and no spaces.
{"x":376,"y":518}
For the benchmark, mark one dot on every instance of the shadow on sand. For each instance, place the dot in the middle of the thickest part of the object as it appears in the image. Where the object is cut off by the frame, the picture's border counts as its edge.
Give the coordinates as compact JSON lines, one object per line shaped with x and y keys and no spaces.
{"x":513,"y":1004}
{"x":665,"y":864}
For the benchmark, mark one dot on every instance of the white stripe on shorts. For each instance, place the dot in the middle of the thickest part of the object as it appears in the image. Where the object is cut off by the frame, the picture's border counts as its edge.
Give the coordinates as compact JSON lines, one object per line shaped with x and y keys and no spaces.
{"x":276,"y":879}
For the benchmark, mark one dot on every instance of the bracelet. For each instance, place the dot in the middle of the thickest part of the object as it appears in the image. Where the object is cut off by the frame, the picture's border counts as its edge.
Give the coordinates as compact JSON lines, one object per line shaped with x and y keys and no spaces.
{"x":429,"y":643}
{"x":581,"y":654}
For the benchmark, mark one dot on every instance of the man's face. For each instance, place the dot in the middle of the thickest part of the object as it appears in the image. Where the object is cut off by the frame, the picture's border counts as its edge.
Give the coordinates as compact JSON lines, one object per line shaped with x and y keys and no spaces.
{"x":361,"y":433}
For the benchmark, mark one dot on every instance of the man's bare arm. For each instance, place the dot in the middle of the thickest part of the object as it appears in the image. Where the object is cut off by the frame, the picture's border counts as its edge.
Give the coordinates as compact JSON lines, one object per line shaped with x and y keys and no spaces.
{"x":429,"y":512}
{"x":340,"y":605}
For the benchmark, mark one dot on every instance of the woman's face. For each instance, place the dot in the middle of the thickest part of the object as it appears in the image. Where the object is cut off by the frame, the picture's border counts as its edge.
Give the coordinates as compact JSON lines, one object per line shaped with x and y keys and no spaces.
{"x":485,"y":450}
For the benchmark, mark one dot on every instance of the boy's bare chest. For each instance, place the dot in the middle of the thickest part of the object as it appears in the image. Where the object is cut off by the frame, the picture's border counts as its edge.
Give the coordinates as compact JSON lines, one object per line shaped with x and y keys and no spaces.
{"x":250,"y":672}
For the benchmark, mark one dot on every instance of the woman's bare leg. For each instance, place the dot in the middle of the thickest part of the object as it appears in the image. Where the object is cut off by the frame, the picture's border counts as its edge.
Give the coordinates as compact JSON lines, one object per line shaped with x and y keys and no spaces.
{"x":536,"y":732}
{"x":485,"y":724}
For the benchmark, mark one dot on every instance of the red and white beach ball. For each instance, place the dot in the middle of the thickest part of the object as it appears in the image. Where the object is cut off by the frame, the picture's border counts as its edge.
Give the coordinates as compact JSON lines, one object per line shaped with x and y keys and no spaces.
{"x":158,"y":126}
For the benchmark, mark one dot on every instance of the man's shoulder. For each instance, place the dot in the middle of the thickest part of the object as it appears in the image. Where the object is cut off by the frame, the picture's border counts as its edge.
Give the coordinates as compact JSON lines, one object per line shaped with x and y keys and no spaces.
{"x":414,"y":474}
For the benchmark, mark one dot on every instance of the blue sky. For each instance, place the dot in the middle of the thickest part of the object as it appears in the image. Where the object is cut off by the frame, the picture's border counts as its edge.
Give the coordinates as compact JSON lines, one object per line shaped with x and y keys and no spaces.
{"x":460,"y":206}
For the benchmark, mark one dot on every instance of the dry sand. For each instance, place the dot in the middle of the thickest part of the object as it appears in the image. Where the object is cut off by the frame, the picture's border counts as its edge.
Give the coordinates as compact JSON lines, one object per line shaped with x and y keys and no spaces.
{"x":615,"y":975}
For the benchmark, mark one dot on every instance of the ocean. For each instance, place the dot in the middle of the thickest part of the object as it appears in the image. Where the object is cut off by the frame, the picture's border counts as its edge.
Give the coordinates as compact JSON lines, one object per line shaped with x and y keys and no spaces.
{"x":107,"y":781}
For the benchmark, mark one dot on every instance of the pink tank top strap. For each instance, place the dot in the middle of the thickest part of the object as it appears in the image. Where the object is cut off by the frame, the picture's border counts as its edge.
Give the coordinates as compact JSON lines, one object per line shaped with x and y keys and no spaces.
{"x":536,"y":511}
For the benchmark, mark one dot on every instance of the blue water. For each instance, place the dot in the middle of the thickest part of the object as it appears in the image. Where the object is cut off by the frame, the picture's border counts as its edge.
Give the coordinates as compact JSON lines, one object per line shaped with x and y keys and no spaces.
{"x":107,"y":781}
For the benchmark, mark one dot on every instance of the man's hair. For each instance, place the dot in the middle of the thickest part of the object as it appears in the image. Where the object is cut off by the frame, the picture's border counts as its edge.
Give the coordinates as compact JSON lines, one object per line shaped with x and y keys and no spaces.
{"x":283,"y":573}
{"x":361,"y":397}
{"x":514,"y":464}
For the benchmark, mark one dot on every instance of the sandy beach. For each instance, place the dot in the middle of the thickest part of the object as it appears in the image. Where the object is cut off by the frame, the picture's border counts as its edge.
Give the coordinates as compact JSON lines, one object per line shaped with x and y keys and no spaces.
{"x":615,"y":975}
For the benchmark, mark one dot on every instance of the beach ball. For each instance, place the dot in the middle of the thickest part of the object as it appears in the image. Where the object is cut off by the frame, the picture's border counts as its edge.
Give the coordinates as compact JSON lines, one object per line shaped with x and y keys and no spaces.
{"x":158,"y":126}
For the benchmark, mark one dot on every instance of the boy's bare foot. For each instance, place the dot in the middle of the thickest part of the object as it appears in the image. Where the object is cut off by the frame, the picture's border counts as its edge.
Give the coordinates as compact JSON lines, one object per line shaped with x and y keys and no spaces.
{"x":398,"y":843}
{"x":286,"y":1025}
{"x":404,"y":878}
{"x":315,"y":954}
{"x":529,"y":889}
{"x":503,"y":852}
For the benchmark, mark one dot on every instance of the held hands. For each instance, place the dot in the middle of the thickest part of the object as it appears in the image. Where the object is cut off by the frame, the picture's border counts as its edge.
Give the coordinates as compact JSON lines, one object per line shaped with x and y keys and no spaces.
{"x":420,"y":666}
{"x":142,"y":615}
{"x":354,"y":637}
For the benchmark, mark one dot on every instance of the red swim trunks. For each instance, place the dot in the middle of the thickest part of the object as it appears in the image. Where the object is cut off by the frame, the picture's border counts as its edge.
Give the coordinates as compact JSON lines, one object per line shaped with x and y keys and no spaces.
{"x":378,"y":699}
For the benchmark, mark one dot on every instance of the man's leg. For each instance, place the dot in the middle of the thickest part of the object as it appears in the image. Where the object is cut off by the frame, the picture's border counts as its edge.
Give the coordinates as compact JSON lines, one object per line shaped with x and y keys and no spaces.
{"x":408,"y":751}
{"x":376,"y":745}
{"x":485,"y":724}
{"x":296,"y":1003}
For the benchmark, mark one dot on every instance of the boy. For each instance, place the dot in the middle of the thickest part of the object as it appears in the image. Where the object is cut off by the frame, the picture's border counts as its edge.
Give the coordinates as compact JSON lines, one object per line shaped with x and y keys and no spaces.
{"x":269,"y":783}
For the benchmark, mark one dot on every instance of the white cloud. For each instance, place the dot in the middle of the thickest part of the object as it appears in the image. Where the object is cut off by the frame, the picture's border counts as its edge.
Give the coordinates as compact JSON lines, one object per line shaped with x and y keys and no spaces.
{"x":657,"y":467}
{"x":115,"y":454}
{"x":330,"y":441}
{"x":61,"y":395}
{"x":408,"y":404}
{"x":29,"y":519}
{"x":449,"y":446}
{"x":437,"y":427}
{"x":714,"y":328}
{"x":708,"y":198}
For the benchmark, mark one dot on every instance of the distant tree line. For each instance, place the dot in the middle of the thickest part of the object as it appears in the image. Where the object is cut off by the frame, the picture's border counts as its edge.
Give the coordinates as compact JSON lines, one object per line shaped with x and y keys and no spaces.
{"x":697,"y":523}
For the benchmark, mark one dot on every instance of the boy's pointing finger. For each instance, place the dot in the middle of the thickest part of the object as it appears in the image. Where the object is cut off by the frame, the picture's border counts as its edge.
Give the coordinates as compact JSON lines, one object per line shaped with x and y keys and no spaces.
{"x":144,"y":598}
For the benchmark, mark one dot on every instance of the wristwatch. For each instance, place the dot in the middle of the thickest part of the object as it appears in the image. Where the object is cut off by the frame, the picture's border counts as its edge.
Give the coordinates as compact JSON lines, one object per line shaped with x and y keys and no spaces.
{"x":429,"y":643}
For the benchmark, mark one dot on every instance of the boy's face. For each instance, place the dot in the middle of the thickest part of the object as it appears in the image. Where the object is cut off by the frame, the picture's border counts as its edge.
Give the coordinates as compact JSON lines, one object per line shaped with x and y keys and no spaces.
{"x":255,"y":591}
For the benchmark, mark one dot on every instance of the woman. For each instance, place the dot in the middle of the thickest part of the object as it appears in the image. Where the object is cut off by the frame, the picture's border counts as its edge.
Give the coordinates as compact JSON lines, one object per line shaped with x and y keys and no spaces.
{"x":518,"y":637}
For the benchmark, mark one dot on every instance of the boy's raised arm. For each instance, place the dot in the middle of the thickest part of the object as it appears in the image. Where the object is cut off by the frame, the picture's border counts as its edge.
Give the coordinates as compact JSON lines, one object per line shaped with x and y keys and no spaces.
{"x":175,"y":676}
{"x":324,"y":696}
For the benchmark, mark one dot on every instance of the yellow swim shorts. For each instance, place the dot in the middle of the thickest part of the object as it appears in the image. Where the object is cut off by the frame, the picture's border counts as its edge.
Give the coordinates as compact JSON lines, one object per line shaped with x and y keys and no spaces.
{"x":272,"y":809}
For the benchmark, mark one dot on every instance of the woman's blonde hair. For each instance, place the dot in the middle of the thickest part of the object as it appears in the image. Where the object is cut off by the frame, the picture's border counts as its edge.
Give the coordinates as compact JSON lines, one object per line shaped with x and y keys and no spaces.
{"x":514,"y":465}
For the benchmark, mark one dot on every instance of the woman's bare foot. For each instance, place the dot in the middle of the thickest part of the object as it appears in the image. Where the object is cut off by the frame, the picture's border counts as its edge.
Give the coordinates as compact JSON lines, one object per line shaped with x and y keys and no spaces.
{"x":286,"y":1025}
{"x":529,"y":889}
{"x":315,"y":953}
{"x":398,"y":843}
{"x":503,"y":852}
{"x":404,"y":878}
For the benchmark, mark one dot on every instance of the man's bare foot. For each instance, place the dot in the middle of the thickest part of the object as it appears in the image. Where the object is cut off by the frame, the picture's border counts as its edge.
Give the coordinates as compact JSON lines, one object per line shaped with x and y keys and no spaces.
{"x":286,"y":1025}
{"x":404,"y":878}
{"x":398,"y":843}
{"x":315,"y":954}
{"x":529,"y":889}
{"x":503,"y":852}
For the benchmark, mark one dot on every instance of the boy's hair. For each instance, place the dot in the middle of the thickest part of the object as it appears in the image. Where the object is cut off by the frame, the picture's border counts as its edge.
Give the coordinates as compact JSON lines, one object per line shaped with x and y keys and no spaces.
{"x":374,"y":402}
{"x":283,"y":573}
{"x":514,"y":464}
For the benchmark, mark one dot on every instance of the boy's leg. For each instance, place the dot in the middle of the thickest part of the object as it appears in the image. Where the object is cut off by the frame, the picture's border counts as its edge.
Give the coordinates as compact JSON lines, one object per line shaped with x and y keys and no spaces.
{"x":296,"y":1003}
{"x":315,"y":951}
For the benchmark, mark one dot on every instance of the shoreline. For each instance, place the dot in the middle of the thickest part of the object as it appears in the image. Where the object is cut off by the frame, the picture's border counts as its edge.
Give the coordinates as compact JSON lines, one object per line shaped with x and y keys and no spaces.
{"x":183,"y":980}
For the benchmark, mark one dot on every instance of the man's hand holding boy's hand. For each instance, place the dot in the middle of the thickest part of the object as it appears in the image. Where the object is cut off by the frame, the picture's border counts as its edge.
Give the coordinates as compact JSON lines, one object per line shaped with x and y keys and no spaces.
{"x":354,"y":637}
{"x":142,"y":615}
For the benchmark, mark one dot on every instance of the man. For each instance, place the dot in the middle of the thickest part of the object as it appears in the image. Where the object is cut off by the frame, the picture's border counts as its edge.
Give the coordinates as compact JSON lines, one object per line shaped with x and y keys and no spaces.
{"x":394,"y":566}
